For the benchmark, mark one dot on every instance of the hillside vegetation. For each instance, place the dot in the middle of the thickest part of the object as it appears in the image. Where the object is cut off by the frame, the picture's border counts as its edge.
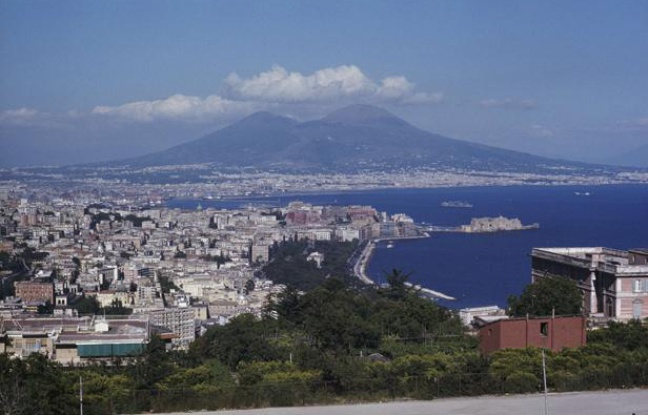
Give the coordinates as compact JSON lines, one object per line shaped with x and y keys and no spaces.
{"x":331,"y":344}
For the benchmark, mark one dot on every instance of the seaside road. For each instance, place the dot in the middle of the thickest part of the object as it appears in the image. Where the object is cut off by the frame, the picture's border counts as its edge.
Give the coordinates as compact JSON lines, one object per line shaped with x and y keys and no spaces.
{"x":617,"y":402}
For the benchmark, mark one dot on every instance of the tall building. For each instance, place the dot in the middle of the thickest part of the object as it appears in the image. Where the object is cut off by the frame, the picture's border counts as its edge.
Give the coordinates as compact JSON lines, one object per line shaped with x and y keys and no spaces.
{"x":613,"y":283}
{"x":179,"y":320}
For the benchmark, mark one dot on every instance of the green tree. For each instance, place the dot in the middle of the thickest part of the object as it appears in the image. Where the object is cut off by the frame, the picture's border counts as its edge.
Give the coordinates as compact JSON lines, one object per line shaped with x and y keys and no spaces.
{"x":87,"y":305}
{"x":46,"y":308}
{"x":546,"y":296}
{"x":398,"y":287}
{"x":210,"y":375}
{"x":105,"y":392}
{"x":632,"y":335}
{"x":166,"y":283}
{"x":278,"y":383}
{"x":153,"y":366}
{"x":244,"y":338}
{"x":338,"y":318}
{"x":117,"y":308}
{"x":34,"y":386}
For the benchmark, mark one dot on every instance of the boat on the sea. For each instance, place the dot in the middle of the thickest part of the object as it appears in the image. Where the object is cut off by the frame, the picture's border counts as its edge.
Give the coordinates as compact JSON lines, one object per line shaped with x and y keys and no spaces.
{"x":456,"y":204}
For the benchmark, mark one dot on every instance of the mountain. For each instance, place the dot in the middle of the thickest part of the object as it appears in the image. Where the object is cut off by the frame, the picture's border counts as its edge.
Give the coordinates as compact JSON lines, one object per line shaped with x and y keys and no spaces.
{"x":245,"y":143}
{"x":357,"y":137}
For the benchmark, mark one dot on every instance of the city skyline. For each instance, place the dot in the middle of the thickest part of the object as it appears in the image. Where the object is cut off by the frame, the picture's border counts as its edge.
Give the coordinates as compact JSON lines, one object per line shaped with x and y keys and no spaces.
{"x":86,"y":81}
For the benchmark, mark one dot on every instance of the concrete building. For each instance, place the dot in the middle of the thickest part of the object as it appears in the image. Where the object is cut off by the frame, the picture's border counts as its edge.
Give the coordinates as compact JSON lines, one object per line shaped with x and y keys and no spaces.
{"x":467,"y":315}
{"x":259,"y":253}
{"x":347,"y":233}
{"x":614,"y":283}
{"x":179,"y":320}
{"x":553,"y":333}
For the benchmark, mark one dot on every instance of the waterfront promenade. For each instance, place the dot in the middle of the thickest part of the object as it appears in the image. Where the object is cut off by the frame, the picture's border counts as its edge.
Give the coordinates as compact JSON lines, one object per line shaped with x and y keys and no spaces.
{"x":617,"y":402}
{"x":361,"y":261}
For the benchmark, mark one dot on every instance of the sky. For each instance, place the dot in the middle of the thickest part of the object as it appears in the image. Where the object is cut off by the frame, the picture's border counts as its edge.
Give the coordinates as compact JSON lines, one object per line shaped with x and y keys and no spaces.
{"x":95,"y":80}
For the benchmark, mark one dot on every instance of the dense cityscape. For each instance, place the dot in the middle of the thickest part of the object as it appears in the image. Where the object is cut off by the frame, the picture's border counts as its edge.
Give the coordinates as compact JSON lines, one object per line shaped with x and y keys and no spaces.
{"x":121,"y":256}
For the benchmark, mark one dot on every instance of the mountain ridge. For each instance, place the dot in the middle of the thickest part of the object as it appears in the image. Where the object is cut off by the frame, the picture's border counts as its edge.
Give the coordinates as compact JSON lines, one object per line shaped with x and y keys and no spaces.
{"x":353,"y":138}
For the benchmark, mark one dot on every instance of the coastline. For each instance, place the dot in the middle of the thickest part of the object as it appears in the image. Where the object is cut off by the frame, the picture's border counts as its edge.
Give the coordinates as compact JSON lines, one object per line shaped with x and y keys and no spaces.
{"x":497,"y":263}
{"x":360,"y":265}
{"x":360,"y":270}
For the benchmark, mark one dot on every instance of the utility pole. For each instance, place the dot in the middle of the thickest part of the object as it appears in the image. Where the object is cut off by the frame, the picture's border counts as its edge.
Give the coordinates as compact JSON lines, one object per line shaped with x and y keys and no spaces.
{"x":544,"y":379}
{"x":80,"y":395}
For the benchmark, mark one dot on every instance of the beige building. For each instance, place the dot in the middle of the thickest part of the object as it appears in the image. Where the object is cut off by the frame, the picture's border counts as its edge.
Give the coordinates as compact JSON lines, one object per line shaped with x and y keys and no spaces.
{"x":179,"y":320}
{"x":614,"y":283}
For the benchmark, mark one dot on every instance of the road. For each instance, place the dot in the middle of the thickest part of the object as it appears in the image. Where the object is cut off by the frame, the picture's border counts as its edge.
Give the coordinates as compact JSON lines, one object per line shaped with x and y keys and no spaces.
{"x":616,"y":402}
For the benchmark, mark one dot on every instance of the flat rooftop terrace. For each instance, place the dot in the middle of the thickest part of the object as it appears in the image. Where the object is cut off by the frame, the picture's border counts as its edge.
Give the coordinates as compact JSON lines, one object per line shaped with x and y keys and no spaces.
{"x":604,"y":259}
{"x":599,"y":254}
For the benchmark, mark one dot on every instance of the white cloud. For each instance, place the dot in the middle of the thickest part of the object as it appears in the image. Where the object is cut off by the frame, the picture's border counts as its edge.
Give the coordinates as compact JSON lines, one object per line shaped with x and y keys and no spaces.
{"x":398,"y":88}
{"x":508,"y":103}
{"x":178,"y":107}
{"x":19,"y":116}
{"x":276,"y":89}
{"x":542,"y":131}
{"x":279,"y":85}
{"x":341,"y":83}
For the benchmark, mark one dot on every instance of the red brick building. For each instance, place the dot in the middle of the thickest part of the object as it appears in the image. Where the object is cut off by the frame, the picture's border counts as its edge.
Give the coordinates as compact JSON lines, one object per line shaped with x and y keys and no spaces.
{"x":34,"y":292}
{"x":553,"y":333}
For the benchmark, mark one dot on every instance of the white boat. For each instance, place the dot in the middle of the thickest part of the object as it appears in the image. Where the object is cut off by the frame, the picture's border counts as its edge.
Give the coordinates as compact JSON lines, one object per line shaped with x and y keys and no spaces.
{"x":456,"y":204}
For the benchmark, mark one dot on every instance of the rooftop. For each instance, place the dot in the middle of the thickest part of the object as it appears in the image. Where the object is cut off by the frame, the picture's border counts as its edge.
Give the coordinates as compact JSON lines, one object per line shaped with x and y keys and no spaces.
{"x":604,"y":259}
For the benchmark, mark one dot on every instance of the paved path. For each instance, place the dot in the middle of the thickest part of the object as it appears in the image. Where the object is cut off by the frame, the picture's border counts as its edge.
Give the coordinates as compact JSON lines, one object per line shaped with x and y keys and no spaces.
{"x":589,"y":403}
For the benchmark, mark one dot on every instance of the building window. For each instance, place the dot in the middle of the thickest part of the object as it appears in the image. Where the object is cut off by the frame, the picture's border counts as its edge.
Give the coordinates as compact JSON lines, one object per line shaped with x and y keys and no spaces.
{"x":544,"y":329}
{"x":640,"y":285}
{"x":637,"y":308}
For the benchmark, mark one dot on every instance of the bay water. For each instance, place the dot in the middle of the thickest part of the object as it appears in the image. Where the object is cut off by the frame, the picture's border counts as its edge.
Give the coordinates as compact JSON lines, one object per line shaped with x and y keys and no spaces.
{"x":484,"y":269}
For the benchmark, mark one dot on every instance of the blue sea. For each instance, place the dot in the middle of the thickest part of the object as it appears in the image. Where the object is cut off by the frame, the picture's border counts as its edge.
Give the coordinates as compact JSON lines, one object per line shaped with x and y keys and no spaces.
{"x":484,"y":269}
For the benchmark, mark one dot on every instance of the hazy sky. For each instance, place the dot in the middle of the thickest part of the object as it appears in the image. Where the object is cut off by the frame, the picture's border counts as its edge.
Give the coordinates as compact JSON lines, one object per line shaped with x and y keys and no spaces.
{"x":89,"y":80}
